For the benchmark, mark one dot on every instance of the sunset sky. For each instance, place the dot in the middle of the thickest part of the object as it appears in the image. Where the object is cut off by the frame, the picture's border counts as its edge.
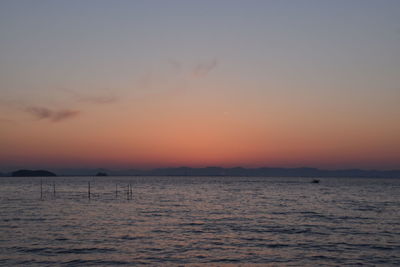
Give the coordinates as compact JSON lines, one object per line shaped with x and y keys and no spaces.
{"x":143,"y":84}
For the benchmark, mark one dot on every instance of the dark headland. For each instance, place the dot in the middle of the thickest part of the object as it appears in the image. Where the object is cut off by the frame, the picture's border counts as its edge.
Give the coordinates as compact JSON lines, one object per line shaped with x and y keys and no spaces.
{"x":32,"y":173}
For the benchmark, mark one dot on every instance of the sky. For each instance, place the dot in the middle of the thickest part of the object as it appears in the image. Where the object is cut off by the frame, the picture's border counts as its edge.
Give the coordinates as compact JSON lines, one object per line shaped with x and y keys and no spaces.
{"x":145,"y":84}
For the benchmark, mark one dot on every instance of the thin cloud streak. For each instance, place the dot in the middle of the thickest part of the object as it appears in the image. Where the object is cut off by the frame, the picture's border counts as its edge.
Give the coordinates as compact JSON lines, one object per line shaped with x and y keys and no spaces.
{"x":8,"y":121}
{"x":92,"y":99}
{"x":202,"y":69}
{"x":175,"y":64}
{"x":43,"y":113}
{"x":98,"y":99}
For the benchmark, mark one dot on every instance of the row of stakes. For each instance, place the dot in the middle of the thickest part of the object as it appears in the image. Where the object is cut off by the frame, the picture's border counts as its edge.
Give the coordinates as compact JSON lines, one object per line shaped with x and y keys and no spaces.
{"x":129,"y":193}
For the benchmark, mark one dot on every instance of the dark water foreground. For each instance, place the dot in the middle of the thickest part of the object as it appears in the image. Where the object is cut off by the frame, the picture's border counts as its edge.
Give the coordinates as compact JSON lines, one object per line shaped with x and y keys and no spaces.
{"x":200,"y":221}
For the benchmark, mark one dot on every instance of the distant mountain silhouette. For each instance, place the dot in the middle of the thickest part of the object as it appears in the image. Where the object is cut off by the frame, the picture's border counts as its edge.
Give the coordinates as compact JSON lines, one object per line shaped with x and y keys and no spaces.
{"x":240,"y":171}
{"x":32,"y":173}
{"x":270,"y":172}
{"x":219,"y":171}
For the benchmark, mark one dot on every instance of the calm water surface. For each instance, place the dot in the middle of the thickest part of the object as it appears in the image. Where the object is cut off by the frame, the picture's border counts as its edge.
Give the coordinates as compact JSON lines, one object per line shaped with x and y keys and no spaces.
{"x":208,"y":221}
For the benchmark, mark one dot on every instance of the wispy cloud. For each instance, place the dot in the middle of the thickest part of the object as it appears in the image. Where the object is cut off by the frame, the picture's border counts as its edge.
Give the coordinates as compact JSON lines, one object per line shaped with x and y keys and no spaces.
{"x":6,"y":121}
{"x":175,"y":64}
{"x":52,"y":115}
{"x":98,"y":99}
{"x":93,"y":99}
{"x":202,"y":69}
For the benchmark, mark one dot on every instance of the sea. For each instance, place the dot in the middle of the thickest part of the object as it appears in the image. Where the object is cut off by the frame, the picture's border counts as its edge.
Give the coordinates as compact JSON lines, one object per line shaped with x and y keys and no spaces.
{"x":199,"y":221}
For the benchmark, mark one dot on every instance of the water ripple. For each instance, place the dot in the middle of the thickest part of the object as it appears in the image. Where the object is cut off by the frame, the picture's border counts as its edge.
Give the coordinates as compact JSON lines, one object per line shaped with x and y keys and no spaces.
{"x":200,"y":221}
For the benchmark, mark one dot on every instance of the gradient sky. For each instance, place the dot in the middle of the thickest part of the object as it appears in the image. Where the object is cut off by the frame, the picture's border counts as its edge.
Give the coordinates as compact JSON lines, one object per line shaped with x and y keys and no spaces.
{"x":144,"y":84}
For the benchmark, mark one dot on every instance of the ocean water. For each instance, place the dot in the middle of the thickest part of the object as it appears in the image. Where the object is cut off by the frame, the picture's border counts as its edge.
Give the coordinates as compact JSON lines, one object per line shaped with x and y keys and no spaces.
{"x":200,"y":221}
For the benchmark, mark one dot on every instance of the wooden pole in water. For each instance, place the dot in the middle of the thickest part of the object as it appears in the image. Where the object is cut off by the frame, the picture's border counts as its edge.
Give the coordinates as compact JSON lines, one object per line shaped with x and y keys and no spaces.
{"x":41,"y":189}
{"x":54,"y":189}
{"x":88,"y":190}
{"x":130,"y":190}
{"x":116,"y":190}
{"x":127,"y":193}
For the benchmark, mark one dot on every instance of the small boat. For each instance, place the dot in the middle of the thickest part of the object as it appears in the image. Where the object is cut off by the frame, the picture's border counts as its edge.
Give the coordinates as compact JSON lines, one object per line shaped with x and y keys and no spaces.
{"x":315,"y":181}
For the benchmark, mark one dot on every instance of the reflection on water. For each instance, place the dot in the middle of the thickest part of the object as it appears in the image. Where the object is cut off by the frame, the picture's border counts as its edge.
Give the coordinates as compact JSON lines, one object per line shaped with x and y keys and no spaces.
{"x":200,"y":221}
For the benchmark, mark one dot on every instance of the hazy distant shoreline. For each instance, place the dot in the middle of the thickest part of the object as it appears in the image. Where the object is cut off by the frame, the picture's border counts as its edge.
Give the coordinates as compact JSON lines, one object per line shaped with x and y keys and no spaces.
{"x":219,"y":171}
